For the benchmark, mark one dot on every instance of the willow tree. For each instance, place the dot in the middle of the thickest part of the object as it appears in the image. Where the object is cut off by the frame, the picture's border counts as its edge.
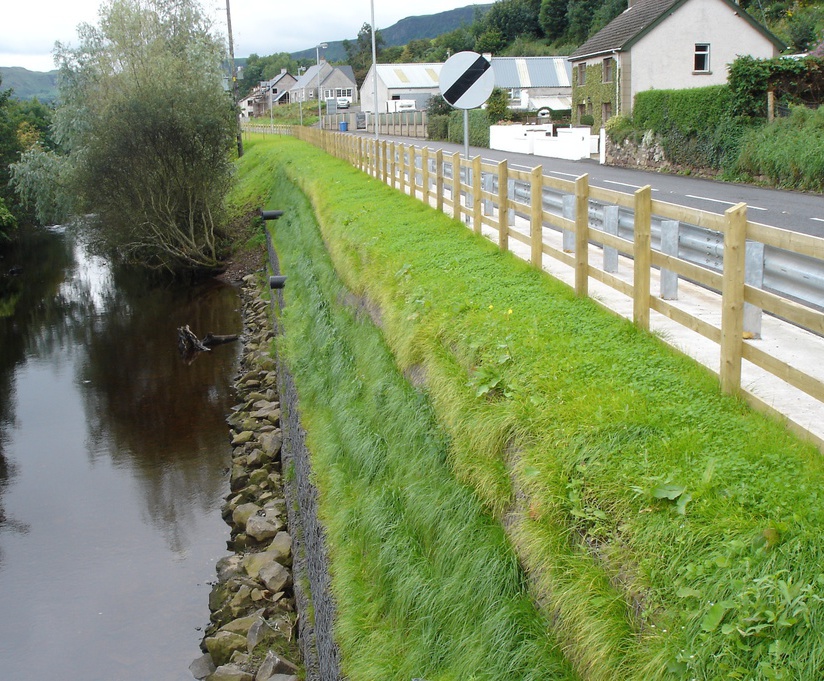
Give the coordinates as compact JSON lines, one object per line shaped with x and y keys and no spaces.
{"x":146,"y":131}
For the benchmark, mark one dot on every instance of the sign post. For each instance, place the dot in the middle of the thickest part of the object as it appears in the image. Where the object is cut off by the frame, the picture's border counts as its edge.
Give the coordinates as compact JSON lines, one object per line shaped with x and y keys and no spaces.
{"x":466,"y":82}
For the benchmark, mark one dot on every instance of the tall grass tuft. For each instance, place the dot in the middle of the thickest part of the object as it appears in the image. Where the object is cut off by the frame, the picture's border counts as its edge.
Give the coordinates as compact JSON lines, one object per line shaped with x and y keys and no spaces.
{"x":425,"y":582}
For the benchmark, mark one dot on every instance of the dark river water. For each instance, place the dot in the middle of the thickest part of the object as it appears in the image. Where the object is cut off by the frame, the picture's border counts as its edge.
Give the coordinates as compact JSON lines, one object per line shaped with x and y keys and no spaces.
{"x":113,"y":455}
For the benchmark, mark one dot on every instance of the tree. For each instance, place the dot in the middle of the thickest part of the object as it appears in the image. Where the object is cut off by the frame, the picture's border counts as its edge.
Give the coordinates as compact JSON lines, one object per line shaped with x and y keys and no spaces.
{"x":497,"y":106}
{"x":512,"y":18}
{"x":146,"y":133}
{"x":553,"y":18}
{"x":359,"y":52}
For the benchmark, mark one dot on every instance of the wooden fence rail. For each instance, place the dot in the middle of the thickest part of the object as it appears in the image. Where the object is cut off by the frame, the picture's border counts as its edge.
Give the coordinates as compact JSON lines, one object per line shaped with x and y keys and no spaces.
{"x":466,"y":189}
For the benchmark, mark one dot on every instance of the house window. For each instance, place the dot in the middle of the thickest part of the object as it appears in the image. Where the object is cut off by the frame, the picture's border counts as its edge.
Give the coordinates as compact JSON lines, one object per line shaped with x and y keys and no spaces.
{"x":515,"y":94}
{"x":702,"y":58}
{"x":606,"y":111}
{"x":582,"y":73}
{"x":607,"y":71}
{"x":582,"y":109}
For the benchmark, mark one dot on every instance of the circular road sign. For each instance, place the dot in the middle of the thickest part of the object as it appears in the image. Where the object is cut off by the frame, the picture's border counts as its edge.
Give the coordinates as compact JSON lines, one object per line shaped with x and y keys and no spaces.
{"x":466,"y":80}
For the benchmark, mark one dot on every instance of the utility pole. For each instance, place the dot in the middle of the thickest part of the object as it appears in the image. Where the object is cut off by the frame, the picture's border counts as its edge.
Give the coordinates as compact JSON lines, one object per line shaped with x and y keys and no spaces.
{"x":234,"y":78}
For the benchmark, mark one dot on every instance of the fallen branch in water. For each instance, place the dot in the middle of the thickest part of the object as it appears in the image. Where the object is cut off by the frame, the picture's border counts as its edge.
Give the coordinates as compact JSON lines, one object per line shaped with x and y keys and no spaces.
{"x":189,"y":345}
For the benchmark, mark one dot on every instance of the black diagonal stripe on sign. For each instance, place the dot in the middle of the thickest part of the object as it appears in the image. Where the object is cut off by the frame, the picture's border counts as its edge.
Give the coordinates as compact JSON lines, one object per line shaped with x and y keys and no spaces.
{"x":467,"y":80}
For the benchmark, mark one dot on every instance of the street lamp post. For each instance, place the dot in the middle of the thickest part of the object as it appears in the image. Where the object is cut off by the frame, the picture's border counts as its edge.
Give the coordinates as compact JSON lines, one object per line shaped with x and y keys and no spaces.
{"x":317,"y":56}
{"x":375,"y":73}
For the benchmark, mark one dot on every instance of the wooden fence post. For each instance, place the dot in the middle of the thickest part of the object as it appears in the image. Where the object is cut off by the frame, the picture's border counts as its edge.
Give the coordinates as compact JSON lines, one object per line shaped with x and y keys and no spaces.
{"x":536,"y":216}
{"x":643,"y":256}
{"x":476,"y":195}
{"x":392,"y":164}
{"x":413,"y":172}
{"x":425,"y":174}
{"x":456,"y":186}
{"x":732,"y":298}
{"x":402,"y":168}
{"x":582,"y":236}
{"x":503,"y":205}
{"x":439,"y":179}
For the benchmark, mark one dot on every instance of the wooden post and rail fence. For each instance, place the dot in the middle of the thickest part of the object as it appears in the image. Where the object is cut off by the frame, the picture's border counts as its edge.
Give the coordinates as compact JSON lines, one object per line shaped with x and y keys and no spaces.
{"x":500,"y":215}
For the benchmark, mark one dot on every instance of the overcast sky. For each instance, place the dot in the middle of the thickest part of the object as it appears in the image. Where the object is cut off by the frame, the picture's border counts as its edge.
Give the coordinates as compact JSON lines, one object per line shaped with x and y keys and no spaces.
{"x":29,"y":28}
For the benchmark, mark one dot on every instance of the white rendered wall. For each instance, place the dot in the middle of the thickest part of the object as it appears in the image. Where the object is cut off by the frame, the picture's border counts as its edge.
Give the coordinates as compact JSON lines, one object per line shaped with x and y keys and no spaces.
{"x":664,"y":58}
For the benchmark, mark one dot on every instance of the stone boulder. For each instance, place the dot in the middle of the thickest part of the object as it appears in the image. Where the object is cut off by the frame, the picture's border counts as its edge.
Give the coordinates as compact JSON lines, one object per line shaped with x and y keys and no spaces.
{"x":223,"y":644}
{"x":274,"y":664}
{"x":230,"y":672}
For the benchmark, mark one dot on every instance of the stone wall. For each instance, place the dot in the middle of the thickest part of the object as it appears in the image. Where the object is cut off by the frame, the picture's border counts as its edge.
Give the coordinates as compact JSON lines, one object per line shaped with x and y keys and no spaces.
{"x":648,"y":155}
{"x":312,"y":580}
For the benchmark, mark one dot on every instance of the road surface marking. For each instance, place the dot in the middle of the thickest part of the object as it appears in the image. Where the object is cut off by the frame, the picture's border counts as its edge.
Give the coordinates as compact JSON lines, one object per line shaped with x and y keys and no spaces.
{"x":558,"y":172}
{"x":818,"y":219}
{"x":624,"y":184}
{"x":729,"y":203}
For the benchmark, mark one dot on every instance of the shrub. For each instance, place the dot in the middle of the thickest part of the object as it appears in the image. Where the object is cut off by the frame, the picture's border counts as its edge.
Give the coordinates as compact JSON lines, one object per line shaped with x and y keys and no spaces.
{"x":789,"y":151}
{"x":438,"y":125}
{"x":478,"y":128}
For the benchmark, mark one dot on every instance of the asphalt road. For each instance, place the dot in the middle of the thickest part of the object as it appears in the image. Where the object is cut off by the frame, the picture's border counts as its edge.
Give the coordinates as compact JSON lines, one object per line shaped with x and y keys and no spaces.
{"x":791,"y":210}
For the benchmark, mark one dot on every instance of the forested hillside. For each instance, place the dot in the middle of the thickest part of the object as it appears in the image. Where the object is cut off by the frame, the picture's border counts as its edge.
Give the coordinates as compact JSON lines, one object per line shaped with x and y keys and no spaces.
{"x":30,"y":84}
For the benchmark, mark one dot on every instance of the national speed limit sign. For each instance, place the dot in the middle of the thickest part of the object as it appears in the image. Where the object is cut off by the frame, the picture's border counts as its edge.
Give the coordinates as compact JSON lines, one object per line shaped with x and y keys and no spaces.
{"x":466,"y":80}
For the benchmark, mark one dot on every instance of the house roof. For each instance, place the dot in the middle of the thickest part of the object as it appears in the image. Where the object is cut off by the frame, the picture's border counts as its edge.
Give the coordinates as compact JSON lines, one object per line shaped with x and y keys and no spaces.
{"x":526,"y":72}
{"x":641,"y":17}
{"x":409,"y":76}
{"x":510,"y":72}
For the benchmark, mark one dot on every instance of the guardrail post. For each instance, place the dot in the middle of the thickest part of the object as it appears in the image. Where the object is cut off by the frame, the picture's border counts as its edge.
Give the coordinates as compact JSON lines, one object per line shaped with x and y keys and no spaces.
{"x":457,"y":211}
{"x":567,"y":236}
{"x":503,"y":203}
{"x":536,"y":216}
{"x":642,"y":254}
{"x":487,"y":185}
{"x":582,"y":236}
{"x":476,"y":195}
{"x":754,"y":276}
{"x":732,"y":298}
{"x":669,"y":245}
{"x":611,"y":227}
{"x":439,"y":180}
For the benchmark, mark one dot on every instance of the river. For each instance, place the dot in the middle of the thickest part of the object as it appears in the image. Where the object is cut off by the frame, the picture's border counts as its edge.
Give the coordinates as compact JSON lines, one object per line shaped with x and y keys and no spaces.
{"x":113,"y":457}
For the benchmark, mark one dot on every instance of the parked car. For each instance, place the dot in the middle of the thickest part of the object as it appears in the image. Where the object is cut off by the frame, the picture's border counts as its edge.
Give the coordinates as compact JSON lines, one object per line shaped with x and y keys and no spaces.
{"x":343,"y":102}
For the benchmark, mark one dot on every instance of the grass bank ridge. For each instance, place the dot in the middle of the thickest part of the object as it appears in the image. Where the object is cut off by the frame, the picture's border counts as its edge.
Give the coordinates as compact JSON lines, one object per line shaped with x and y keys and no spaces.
{"x":516,"y":484}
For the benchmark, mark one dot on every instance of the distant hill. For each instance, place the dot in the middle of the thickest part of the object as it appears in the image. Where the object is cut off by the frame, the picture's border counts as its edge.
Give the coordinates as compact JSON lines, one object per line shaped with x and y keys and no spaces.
{"x":30,"y":84}
{"x":411,"y":28}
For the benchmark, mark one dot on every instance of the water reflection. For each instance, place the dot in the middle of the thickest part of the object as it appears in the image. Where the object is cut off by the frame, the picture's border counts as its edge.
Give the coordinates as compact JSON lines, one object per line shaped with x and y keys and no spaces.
{"x":113,"y":452}
{"x":145,"y":407}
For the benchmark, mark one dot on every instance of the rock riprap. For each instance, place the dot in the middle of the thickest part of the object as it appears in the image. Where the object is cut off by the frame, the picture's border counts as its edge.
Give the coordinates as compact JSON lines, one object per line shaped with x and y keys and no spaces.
{"x":252,"y":634}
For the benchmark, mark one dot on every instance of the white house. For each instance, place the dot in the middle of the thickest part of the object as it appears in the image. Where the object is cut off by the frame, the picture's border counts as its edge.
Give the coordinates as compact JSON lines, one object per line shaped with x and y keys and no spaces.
{"x":663,"y":44}
{"x":417,"y":82}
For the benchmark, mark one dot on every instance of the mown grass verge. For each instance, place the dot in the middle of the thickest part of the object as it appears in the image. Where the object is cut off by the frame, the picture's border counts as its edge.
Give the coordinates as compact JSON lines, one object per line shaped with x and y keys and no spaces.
{"x":667,"y":530}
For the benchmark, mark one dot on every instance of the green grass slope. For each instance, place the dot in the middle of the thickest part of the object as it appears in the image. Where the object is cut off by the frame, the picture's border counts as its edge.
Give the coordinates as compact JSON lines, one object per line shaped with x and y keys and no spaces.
{"x":667,"y":532}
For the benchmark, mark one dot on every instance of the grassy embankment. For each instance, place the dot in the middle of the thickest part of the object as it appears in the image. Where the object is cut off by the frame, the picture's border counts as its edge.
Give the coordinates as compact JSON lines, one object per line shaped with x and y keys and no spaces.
{"x":667,"y":531}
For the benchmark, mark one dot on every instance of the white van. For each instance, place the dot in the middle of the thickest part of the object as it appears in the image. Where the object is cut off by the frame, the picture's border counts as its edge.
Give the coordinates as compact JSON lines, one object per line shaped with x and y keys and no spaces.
{"x":395,"y":105}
